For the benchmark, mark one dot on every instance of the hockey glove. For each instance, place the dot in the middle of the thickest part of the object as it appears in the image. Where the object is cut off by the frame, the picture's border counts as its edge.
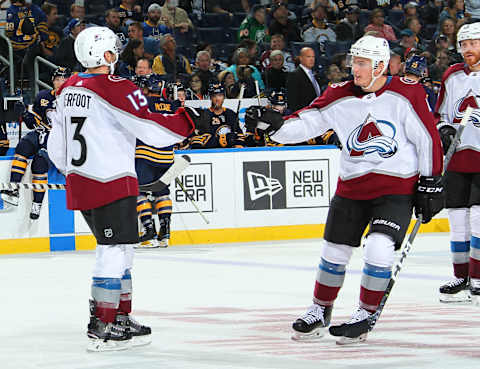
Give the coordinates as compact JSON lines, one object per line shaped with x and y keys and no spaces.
{"x":447,"y":134}
{"x":429,"y":198}
{"x":261,"y":120}
{"x":199,"y":117}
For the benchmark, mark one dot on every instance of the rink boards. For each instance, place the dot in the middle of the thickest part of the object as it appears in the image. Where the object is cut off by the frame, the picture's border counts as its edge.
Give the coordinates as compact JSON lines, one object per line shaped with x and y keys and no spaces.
{"x":252,"y":194}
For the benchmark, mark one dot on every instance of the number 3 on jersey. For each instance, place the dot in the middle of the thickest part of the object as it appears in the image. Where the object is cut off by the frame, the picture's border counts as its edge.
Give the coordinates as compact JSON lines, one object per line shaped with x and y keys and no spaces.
{"x":79,"y":121}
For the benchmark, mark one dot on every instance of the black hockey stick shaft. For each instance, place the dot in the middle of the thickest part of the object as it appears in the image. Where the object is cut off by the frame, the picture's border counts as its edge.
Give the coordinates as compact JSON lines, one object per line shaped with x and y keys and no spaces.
{"x":372,"y":320}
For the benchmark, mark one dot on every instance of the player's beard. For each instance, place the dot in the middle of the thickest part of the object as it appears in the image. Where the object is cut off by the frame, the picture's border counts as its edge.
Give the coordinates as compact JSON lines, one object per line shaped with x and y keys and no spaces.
{"x":472,"y":58}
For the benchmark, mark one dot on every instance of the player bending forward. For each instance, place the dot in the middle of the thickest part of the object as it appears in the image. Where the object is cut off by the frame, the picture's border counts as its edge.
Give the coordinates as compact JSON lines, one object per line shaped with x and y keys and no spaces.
{"x":460,"y":89}
{"x":98,"y":119}
{"x":389,"y":138}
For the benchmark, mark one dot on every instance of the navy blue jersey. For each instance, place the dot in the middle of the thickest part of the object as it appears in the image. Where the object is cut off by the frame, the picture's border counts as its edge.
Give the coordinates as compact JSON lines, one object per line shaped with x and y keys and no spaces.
{"x":37,"y":118}
{"x":26,"y":25}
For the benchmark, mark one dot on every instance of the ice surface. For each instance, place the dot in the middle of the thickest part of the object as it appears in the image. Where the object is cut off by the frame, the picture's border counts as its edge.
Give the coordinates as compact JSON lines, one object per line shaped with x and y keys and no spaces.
{"x":231,"y":306}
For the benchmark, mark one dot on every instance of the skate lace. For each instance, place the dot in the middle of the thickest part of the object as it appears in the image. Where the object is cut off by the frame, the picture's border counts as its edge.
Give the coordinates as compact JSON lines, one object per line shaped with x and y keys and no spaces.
{"x":455,"y":282}
{"x":115,"y":329}
{"x":36,"y":208}
{"x":313,"y":314}
{"x":358,"y":316}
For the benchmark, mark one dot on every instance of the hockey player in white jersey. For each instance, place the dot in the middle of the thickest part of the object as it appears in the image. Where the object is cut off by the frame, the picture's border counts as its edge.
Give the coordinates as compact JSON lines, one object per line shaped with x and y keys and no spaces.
{"x":391,"y":161}
{"x":98,"y":119}
{"x":461,"y":88}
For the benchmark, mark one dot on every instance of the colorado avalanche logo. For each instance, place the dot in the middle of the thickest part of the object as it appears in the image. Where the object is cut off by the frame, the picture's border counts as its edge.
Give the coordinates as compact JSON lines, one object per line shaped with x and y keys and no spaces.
{"x":373,"y":136}
{"x":461,"y":105}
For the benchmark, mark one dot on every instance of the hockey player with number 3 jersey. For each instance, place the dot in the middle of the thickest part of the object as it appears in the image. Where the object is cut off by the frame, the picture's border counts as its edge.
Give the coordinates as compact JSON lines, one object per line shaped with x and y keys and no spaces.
{"x":461,"y":88}
{"x":391,"y":161}
{"x":94,"y":131}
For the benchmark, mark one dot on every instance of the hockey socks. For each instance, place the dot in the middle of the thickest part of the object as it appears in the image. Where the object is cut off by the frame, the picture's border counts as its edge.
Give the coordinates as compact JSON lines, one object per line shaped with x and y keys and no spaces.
{"x":474,"y":270}
{"x":460,"y":258}
{"x":374,"y":283}
{"x":328,"y":282}
{"x":125,"y":305}
{"x":144,"y":210}
{"x":19,"y":166}
{"x":106,"y":294}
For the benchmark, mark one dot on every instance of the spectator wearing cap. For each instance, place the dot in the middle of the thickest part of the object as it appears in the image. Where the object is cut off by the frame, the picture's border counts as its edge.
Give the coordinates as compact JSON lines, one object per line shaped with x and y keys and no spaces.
{"x":176,"y":17}
{"x":318,"y":29}
{"x":407,"y":43}
{"x":76,"y":11}
{"x":253,"y":26}
{"x":275,"y":73}
{"x":349,"y":29}
{"x":55,"y":34}
{"x":151,"y":46}
{"x":410,"y":9}
{"x":377,"y":24}
{"x":169,"y":61}
{"x":129,"y":12}
{"x":277,"y":42}
{"x":281,"y":24}
{"x":113,"y":21}
{"x":241,"y":61}
{"x":65,"y":54}
{"x":454,"y":10}
{"x":153,"y":26}
{"x":203,"y":62}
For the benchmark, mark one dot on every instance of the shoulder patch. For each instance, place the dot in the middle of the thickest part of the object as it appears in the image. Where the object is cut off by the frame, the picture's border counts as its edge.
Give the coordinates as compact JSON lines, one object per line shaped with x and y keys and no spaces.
{"x":113,"y":78}
{"x":408,"y":81}
{"x":339,"y":84}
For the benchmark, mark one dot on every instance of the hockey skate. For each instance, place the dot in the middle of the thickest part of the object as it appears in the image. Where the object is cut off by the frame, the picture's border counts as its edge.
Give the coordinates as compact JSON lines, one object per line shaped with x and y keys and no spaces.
{"x":164,"y":233}
{"x":353,"y":331}
{"x":475,"y":291}
{"x":10,"y":196}
{"x":457,"y":290}
{"x":313,"y":323}
{"x":141,"y":334}
{"x":35,"y":211}
{"x":149,"y":233}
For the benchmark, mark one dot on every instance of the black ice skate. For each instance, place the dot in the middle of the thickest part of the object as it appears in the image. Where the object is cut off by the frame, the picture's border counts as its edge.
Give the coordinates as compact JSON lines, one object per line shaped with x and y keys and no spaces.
{"x":10,"y":196}
{"x":164,"y":233}
{"x":35,"y":211}
{"x":457,"y":290}
{"x":149,"y":234}
{"x":313,"y":323}
{"x":141,"y":334}
{"x":353,"y":331}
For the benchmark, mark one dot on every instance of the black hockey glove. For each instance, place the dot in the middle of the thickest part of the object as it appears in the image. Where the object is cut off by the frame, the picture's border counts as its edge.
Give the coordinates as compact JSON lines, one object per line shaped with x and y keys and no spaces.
{"x":429,"y":198}
{"x":259,"y":119}
{"x":447,"y":134}
{"x":199,"y":117}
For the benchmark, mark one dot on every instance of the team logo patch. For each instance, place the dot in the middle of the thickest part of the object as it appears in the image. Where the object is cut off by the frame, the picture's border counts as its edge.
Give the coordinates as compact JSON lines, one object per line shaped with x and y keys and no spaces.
{"x":373,"y":136}
{"x":409,"y":81}
{"x":115,"y":78}
{"x":461,"y":105}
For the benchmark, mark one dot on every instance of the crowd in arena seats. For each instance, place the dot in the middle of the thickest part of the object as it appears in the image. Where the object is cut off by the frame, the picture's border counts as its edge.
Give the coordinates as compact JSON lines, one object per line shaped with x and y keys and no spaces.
{"x":251,"y":47}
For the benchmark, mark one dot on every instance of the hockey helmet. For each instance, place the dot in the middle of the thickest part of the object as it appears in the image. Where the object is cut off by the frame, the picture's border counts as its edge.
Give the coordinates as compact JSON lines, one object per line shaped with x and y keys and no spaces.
{"x":61,"y":72}
{"x":469,"y":31}
{"x":91,"y":45}
{"x":277,"y":98}
{"x":416,"y":65}
{"x":216,"y":89}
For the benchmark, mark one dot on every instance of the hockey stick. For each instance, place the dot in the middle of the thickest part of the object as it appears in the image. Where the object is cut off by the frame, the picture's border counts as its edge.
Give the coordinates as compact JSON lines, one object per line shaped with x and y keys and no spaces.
{"x":372,"y":319}
{"x":178,"y":166}
{"x":194,"y":203}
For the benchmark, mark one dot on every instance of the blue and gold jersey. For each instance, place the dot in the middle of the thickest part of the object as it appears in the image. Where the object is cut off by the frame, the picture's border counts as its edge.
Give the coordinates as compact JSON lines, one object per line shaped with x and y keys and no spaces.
{"x":54,"y":38}
{"x":37,"y":118}
{"x":157,"y":156}
{"x":25,"y":25}
{"x":154,"y":31}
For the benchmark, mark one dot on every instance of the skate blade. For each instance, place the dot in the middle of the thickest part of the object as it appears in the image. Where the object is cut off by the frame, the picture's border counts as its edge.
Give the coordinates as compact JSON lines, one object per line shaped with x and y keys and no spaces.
{"x":138,"y":341}
{"x":351,"y":341}
{"x":9,"y":199}
{"x":146,"y":245}
{"x":316,"y":334}
{"x":162,"y":243}
{"x":460,"y":297}
{"x":475,"y":300}
{"x":99,"y":345}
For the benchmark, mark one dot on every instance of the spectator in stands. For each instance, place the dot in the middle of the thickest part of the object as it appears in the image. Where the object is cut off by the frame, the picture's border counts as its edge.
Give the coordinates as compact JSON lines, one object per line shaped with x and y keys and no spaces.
{"x":430,"y":11}
{"x":318,"y":30}
{"x":440,"y":66}
{"x":76,"y":12}
{"x":252,"y":49}
{"x":472,"y":9}
{"x":410,"y":10}
{"x":196,"y":90}
{"x":143,"y":67}
{"x":331,"y":8}
{"x":112,"y":21}
{"x":128,"y":11}
{"x":63,"y":6}
{"x":414,"y":25}
{"x":55,"y":34}
{"x":65,"y":54}
{"x":175,"y":17}
{"x":132,"y":52}
{"x":349,"y":28}
{"x":275,"y":74}
{"x":406,"y":44}
{"x":333,"y":75}
{"x":150,"y":45}
{"x":225,"y":6}
{"x":203,"y":64}
{"x":169,"y":61}
{"x":340,"y":59}
{"x":277,"y":42}
{"x":395,"y":66}
{"x":377,"y":24}
{"x":215,"y":65}
{"x":241,"y":59}
{"x":454,"y":10}
{"x":227,"y":79}
{"x":253,"y":26}
{"x":447,"y":28}
{"x":281,"y":24}
{"x":153,"y":26}
{"x":302,"y":85}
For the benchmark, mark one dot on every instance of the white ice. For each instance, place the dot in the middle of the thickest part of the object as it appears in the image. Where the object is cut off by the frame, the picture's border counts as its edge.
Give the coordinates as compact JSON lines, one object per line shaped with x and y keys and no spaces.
{"x":231,"y":306}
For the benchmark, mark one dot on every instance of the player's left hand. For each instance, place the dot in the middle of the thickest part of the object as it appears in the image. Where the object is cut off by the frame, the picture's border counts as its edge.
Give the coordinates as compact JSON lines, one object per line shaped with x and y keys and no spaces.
{"x":259,"y":118}
{"x":199,"y":117}
{"x":429,"y":198}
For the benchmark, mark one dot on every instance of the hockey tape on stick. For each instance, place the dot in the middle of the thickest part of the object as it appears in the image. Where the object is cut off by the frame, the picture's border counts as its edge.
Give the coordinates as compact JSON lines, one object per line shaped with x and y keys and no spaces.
{"x":194,"y":203}
{"x":179,"y":165}
{"x":372,"y":319}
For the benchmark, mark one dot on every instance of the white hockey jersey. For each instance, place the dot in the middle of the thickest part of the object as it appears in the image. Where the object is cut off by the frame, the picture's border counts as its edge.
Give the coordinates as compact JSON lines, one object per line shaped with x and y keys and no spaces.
{"x":94,"y":132}
{"x":461,"y":88}
{"x":388,"y":137}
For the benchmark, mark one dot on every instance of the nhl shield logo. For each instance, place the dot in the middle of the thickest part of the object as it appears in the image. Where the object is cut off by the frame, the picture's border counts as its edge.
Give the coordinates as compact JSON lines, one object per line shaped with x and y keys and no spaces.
{"x":461,"y":105}
{"x":373,"y":136}
{"x":108,"y":232}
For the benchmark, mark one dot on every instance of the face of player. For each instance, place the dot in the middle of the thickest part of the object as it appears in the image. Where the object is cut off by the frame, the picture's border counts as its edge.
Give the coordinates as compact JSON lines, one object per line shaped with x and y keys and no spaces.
{"x":217,"y":100}
{"x":471,"y":51}
{"x":58,"y":82}
{"x":362,"y":71}
{"x":154,"y":16}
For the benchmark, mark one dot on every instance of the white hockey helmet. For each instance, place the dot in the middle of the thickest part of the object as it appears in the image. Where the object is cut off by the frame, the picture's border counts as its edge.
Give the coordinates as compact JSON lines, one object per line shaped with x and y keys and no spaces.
{"x":469,"y":31}
{"x":91,"y":45}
